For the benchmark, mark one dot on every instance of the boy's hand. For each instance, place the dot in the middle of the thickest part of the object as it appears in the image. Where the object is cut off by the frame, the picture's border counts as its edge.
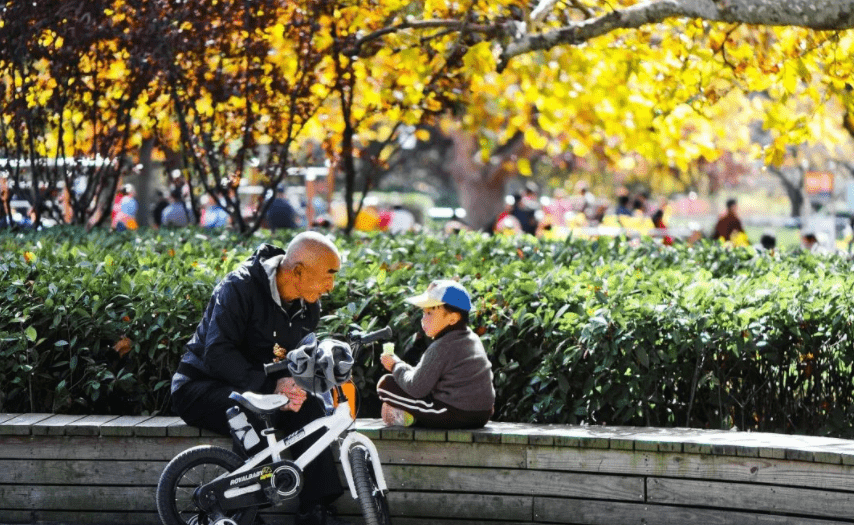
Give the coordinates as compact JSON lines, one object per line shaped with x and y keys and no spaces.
{"x":388,"y":361}
{"x":286,"y":386}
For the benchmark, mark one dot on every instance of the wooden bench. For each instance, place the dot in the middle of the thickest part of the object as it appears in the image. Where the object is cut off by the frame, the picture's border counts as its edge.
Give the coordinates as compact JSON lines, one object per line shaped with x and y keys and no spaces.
{"x":103,"y":470}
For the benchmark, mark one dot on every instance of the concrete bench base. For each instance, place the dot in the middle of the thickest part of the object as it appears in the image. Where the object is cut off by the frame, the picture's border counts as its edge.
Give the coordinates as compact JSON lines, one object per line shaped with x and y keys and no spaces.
{"x":104,"y":469}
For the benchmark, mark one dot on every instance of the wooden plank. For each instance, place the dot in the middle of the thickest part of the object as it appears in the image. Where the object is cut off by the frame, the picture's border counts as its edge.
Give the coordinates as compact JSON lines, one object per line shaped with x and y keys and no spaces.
{"x":85,"y":447}
{"x":518,"y":482}
{"x":80,"y":472}
{"x":740,"y":496}
{"x":720,"y":468}
{"x":155,"y":426}
{"x":181,"y":429}
{"x":7,"y":417}
{"x":486,"y":437}
{"x":80,"y":517}
{"x":718,"y":442}
{"x":460,"y":436}
{"x":430,"y":434}
{"x":79,"y":497}
{"x":81,"y":503}
{"x":459,"y":454}
{"x":370,"y":427}
{"x":87,"y":426}
{"x":122,"y":426}
{"x":585,"y":512}
{"x":461,"y":506}
{"x":590,"y":436}
{"x":54,"y":425}
{"x":497,"y":432}
{"x":21,"y":425}
{"x":446,"y":521}
{"x":398,"y":433}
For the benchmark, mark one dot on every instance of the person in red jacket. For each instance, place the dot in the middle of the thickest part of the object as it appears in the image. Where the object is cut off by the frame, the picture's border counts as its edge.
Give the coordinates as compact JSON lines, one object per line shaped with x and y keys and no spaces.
{"x":728,"y":223}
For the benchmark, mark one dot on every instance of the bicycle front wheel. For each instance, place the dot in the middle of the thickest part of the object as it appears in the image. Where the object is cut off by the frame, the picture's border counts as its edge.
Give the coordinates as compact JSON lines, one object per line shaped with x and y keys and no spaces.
{"x":371,"y":500}
{"x":184,"y":474}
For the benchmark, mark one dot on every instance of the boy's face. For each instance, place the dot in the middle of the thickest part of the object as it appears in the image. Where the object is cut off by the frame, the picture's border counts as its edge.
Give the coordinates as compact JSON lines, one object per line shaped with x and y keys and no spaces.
{"x":435,"y":319}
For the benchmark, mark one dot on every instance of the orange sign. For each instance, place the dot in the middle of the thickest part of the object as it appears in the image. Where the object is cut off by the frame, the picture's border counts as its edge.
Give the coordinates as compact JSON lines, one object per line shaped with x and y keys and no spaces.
{"x":818,"y":182}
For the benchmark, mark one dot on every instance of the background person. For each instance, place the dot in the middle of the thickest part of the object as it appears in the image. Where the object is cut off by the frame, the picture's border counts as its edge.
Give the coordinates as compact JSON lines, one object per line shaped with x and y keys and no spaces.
{"x":177,"y":213}
{"x":729,"y":222}
{"x":281,"y":214}
{"x":125,"y":218}
{"x":213,"y":214}
{"x":271,"y":299}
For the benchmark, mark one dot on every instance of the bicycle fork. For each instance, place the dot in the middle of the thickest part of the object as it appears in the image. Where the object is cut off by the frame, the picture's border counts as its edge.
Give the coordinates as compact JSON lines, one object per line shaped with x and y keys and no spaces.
{"x":354,"y":439}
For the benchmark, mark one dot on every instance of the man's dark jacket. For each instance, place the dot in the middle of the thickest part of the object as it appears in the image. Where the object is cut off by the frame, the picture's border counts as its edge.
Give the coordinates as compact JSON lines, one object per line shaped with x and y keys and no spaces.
{"x":242,"y":322}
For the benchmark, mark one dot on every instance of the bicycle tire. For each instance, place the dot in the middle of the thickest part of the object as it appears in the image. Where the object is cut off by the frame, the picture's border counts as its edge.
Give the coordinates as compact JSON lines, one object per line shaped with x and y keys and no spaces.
{"x":187,"y":471}
{"x":373,"y":503}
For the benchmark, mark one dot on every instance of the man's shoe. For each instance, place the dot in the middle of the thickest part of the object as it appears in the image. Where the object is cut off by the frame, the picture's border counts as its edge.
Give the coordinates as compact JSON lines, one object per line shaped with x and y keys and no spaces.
{"x":320,"y":515}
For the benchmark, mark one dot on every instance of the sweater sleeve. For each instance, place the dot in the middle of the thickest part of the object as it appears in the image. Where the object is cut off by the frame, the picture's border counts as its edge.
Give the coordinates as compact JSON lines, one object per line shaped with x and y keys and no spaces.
{"x":420,"y":380}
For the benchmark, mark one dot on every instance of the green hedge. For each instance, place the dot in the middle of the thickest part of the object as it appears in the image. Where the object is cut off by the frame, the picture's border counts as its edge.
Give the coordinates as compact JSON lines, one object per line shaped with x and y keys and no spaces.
{"x":603,"y":332}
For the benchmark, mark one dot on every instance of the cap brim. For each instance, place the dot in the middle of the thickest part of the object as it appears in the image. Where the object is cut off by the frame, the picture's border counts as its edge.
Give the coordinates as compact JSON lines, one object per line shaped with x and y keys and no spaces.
{"x":423,"y":301}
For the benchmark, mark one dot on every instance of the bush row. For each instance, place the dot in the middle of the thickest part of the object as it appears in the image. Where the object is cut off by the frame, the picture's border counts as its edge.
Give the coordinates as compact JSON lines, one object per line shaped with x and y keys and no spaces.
{"x":601,"y":332}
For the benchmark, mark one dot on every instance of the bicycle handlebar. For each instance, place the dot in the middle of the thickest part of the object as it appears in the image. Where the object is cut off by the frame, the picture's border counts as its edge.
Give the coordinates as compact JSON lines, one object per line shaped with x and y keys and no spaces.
{"x":271,"y":368}
{"x":357,"y":338}
{"x":363,"y":338}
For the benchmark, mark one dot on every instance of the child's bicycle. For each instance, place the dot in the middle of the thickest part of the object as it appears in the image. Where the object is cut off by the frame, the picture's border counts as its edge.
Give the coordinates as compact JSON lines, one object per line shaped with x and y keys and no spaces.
{"x":210,"y":485}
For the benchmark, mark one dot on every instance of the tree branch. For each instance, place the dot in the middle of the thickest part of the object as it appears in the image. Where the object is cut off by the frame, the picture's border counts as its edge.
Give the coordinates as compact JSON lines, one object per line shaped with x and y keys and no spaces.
{"x":455,"y":25}
{"x":825,"y":15}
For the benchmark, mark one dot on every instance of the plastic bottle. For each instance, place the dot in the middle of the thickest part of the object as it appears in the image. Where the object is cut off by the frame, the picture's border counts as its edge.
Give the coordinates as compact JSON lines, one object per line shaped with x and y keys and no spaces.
{"x":241,"y":430}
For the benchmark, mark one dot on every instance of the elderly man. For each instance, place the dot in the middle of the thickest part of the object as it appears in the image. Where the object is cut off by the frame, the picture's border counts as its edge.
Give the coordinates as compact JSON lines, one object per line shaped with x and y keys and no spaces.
{"x":271,"y":299}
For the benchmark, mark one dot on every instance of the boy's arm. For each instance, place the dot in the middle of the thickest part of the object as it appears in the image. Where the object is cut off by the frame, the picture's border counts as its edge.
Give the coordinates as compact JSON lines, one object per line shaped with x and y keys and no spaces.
{"x":420,"y":380}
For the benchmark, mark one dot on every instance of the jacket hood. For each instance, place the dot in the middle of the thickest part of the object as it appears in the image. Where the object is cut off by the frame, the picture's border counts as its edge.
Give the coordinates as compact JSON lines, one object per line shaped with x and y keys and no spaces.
{"x":262,"y":264}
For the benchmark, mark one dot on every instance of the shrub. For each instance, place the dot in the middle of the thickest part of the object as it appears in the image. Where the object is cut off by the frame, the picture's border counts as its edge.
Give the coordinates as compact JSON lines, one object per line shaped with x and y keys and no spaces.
{"x":601,"y":332}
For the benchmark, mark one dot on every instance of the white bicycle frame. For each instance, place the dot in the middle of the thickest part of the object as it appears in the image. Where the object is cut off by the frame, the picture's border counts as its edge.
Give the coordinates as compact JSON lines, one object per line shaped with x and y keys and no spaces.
{"x":336,"y":424}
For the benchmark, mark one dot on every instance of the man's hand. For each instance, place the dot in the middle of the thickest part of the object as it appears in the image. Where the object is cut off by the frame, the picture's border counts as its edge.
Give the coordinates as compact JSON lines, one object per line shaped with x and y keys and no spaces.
{"x":286,"y":386}
{"x":388,"y":361}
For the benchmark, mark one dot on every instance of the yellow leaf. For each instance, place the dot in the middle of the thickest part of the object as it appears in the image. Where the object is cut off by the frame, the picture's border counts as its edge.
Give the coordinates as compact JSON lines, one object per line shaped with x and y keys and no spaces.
{"x":524,"y":167}
{"x":790,"y":79}
{"x":117,"y":71}
{"x":775,"y":153}
{"x":423,"y":135}
{"x":479,"y":58}
{"x":203,"y":105}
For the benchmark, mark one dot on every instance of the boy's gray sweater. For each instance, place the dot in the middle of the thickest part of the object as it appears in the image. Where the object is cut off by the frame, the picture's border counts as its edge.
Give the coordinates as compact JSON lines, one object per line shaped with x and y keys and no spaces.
{"x":454,"y":369}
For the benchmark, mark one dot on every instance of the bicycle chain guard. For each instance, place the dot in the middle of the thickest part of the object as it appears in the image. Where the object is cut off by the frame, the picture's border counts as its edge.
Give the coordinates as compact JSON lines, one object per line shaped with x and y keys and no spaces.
{"x":285,"y":483}
{"x":270,"y":483}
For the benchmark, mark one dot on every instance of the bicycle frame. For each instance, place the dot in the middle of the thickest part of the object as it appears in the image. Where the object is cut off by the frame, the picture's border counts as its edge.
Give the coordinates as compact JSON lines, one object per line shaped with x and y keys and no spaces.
{"x":337,"y":424}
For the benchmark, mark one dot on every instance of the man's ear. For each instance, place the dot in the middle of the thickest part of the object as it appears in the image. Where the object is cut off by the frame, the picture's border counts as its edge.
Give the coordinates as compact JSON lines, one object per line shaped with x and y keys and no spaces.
{"x":455,"y":317}
{"x":298,"y":269}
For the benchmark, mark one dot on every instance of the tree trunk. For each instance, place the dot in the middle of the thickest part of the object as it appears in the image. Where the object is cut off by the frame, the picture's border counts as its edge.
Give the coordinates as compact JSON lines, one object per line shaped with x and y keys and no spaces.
{"x":794,"y":188}
{"x":481,"y":186}
{"x":143,"y":190}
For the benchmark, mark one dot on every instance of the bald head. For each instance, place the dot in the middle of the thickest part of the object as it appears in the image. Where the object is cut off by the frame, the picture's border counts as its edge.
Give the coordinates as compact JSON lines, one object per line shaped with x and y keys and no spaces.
{"x":308,"y":268}
{"x":307,"y":248}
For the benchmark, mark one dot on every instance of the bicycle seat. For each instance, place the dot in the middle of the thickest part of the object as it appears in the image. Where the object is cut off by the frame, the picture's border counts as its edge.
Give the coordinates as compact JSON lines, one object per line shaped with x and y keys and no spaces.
{"x":260,"y":404}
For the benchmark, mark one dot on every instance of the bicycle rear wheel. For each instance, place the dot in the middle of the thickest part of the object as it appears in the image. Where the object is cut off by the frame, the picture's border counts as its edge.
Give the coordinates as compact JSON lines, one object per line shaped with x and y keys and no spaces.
{"x":184,"y":474}
{"x":372,"y":501}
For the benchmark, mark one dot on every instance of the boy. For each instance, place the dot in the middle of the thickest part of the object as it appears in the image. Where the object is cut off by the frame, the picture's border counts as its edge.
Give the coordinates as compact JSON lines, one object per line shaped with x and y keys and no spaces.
{"x":452,"y":385}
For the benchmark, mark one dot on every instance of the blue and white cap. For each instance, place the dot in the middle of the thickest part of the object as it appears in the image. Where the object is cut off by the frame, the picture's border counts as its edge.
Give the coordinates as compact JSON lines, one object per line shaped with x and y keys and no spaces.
{"x":441,"y":292}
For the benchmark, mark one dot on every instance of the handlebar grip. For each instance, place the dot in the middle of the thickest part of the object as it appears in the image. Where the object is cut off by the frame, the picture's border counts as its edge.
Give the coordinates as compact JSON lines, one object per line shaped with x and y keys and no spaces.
{"x":380,"y":335}
{"x":271,"y":368}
